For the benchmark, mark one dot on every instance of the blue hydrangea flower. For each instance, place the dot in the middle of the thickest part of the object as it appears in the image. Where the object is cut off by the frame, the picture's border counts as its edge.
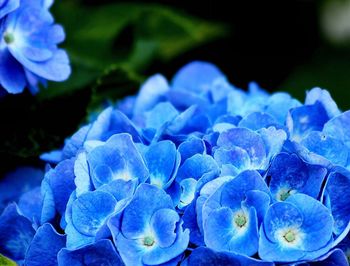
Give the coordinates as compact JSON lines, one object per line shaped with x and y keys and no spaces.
{"x":300,"y":228}
{"x":153,"y":234}
{"x":28,"y":46}
{"x":231,"y":215}
{"x":190,"y":172}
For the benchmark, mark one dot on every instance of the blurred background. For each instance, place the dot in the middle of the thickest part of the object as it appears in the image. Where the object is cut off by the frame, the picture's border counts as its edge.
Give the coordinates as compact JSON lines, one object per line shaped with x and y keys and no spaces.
{"x":283,"y":45}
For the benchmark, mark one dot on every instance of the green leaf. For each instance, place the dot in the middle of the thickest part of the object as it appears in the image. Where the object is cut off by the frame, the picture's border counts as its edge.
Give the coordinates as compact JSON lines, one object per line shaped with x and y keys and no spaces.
{"x":124,"y":35}
{"x":4,"y":261}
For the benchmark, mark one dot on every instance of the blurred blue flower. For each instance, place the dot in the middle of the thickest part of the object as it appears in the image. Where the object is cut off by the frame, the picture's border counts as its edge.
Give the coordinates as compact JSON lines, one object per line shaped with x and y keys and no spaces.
{"x":28,"y":46}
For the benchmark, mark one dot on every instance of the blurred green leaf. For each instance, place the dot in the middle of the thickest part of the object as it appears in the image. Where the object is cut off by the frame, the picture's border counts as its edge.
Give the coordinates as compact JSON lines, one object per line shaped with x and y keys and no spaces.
{"x":328,"y":69}
{"x":126,"y":35}
{"x":106,"y":86}
{"x":6,"y":261}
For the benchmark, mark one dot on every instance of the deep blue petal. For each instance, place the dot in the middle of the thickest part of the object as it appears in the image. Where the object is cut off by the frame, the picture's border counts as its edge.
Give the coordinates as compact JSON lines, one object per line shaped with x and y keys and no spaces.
{"x":288,"y":174}
{"x":12,"y":77}
{"x":338,"y":195}
{"x":203,"y":256}
{"x":30,"y":204}
{"x":307,"y":118}
{"x":100,"y":253}
{"x":16,"y":233}
{"x":61,"y":181}
{"x":45,"y":246}
{"x":18,"y":182}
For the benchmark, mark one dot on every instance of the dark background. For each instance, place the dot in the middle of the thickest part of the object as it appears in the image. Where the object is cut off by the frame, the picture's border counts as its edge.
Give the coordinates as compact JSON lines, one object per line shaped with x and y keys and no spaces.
{"x":268,"y":42}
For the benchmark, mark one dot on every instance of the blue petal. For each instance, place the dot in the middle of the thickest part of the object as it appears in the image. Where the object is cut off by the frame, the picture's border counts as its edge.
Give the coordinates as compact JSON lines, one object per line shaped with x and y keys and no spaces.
{"x":8,"y":6}
{"x":188,"y":190}
{"x":161,"y":159}
{"x":30,"y":205}
{"x":12,"y":77}
{"x":120,"y":189}
{"x":151,"y":93}
{"x":317,"y":223}
{"x":190,"y":221}
{"x":56,"y":69}
{"x":18,"y":182}
{"x":311,"y":223}
{"x":257,"y":120}
{"x":73,"y":144}
{"x":307,"y":118}
{"x":332,"y":149}
{"x":203,"y":256}
{"x":336,"y":257}
{"x":61,"y":181}
{"x":196,"y":76}
{"x":288,"y":175}
{"x":159,"y":255}
{"x":45,"y":246}
{"x":138,"y":213}
{"x":91,"y":210}
{"x":82,"y":174}
{"x":190,"y":147}
{"x":100,"y":253}
{"x":75,"y":239}
{"x":234,"y":191}
{"x":118,"y":158}
{"x":234,"y":156}
{"x":279,"y":104}
{"x":54,"y":156}
{"x":322,"y":96}
{"x":196,"y":166}
{"x":220,"y":89}
{"x":339,"y":128}
{"x":338,"y":196}
{"x":16,"y":232}
{"x":245,"y":139}
{"x":274,"y":140}
{"x":162,"y":113}
{"x":163,"y":223}
{"x":221,"y":234}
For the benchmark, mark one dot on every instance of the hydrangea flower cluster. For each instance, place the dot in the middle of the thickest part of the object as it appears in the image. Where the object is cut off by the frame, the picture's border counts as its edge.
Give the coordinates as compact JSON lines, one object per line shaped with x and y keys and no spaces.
{"x":28,"y":46}
{"x":195,"y":172}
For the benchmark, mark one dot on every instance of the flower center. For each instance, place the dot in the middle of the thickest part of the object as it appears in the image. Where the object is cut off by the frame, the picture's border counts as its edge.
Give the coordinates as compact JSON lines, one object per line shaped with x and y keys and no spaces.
{"x":289,"y":236}
{"x":240,"y":220}
{"x":284,"y":194}
{"x":148,"y":241}
{"x":9,"y":38}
